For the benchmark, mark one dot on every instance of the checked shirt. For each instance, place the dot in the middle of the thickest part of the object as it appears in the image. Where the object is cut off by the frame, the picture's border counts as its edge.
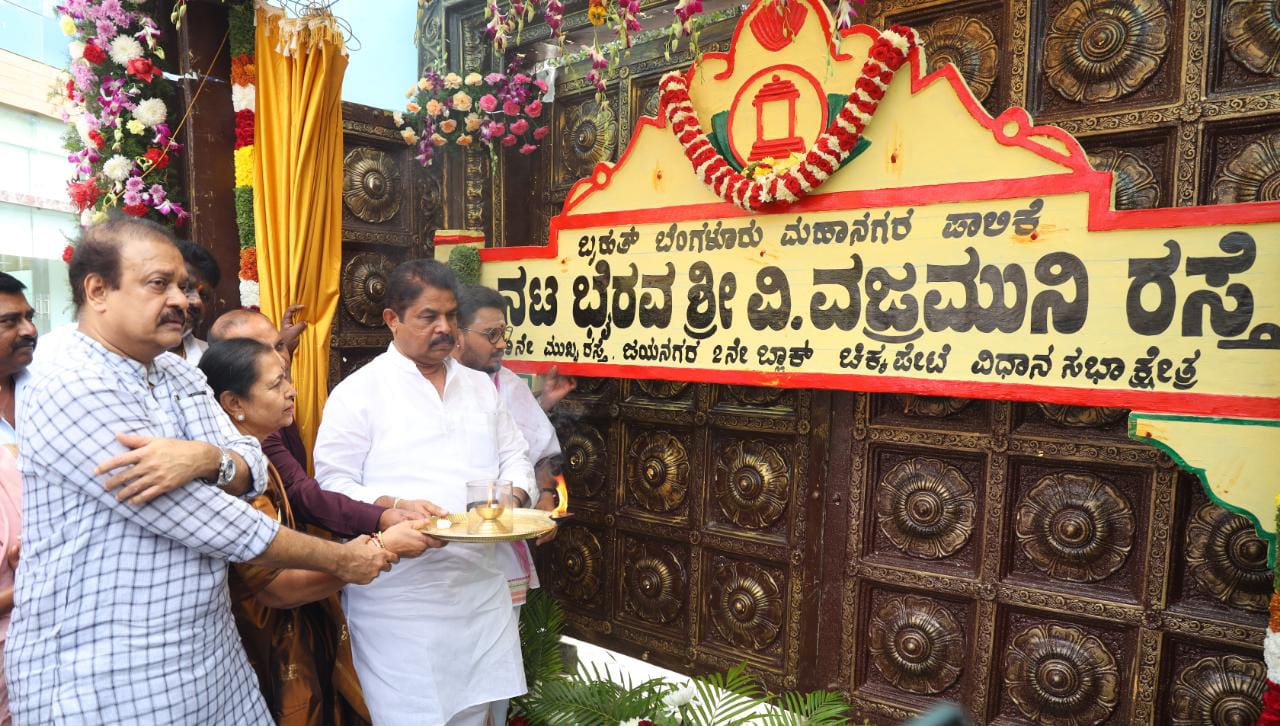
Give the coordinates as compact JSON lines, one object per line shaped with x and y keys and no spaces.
{"x":122,"y":613}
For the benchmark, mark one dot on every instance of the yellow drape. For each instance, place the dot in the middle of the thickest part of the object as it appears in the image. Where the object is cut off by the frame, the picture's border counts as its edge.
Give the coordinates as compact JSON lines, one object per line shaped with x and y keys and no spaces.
{"x":297,"y":207}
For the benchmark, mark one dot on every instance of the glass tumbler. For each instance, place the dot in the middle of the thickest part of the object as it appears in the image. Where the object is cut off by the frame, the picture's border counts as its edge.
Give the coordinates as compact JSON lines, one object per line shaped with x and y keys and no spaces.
{"x":489,"y":507}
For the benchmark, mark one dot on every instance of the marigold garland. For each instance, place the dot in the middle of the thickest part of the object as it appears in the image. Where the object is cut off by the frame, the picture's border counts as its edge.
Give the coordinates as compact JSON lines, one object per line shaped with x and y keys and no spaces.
{"x":243,"y":100}
{"x":828,"y":152}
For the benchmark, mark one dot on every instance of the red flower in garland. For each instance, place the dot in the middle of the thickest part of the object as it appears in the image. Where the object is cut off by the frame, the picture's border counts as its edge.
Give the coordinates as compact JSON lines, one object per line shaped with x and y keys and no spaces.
{"x":71,"y":89}
{"x":249,"y":263}
{"x":83,"y":193}
{"x":142,"y":69}
{"x":1270,"y":706}
{"x":67,"y":252}
{"x":135,"y":210}
{"x":94,"y":54}
{"x":158,"y":159}
{"x":244,"y":128}
{"x":518,"y":721}
{"x":96,"y":137}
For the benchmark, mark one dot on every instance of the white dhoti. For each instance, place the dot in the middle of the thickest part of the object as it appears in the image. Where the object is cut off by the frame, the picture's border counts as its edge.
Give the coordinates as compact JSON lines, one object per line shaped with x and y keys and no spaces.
{"x":434,"y":637}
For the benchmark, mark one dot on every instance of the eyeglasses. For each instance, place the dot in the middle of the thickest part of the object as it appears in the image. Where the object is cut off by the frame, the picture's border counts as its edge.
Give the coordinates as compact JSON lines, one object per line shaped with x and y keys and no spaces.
{"x":493,"y":335}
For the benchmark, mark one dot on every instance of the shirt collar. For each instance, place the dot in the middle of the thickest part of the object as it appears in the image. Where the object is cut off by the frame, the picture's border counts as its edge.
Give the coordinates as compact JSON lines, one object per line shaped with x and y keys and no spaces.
{"x":125,"y":366}
{"x":404,"y":364}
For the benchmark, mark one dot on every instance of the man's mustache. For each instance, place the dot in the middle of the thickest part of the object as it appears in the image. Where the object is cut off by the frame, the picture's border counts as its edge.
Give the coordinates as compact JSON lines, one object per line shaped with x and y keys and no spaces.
{"x":176,"y":316}
{"x":25,"y":341}
{"x":445,"y":339}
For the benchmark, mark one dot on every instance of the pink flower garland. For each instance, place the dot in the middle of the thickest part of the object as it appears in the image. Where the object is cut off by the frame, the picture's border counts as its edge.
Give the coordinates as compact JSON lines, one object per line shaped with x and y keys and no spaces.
{"x":887,"y":54}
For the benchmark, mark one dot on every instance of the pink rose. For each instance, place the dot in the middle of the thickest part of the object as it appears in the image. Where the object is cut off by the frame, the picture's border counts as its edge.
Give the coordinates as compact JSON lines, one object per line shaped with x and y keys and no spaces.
{"x":511,"y":108}
{"x":508,"y":140}
{"x":541,"y":132}
{"x":528,"y":149}
{"x":488,"y":103}
{"x":533,"y":109}
{"x":520,"y":78}
{"x":519,"y":126}
{"x":542,"y":85}
{"x":496,"y":129}
{"x":494,"y":79}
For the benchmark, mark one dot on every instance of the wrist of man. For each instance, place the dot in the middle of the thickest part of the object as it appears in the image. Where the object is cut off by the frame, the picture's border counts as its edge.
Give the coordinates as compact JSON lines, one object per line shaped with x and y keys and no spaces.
{"x":211,"y":462}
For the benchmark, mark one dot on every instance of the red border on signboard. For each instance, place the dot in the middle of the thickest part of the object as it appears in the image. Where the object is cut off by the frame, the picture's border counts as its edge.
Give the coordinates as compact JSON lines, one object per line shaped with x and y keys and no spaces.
{"x":1013,"y":127}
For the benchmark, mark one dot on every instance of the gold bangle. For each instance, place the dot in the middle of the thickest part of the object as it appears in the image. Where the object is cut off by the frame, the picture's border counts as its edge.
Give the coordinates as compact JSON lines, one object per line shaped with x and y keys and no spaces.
{"x":396,"y":503}
{"x":377,"y":539}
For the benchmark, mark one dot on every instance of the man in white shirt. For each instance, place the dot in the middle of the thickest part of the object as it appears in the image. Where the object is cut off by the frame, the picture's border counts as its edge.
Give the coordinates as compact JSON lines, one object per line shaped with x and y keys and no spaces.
{"x":17,"y":346}
{"x":434,"y":641}
{"x":482,"y":343}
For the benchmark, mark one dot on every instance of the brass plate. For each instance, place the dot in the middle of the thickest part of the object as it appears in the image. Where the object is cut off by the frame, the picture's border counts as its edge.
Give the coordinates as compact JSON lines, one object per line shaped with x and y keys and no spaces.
{"x":525,"y":524}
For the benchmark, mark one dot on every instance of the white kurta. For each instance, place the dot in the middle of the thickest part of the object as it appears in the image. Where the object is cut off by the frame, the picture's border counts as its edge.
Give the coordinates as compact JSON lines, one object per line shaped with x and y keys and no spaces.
{"x":515,"y":560}
{"x":436,"y":634}
{"x":528,"y":414}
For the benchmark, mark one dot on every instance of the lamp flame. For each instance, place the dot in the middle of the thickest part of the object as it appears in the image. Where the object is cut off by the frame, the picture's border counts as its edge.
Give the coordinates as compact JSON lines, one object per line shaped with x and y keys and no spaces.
{"x":562,"y":498}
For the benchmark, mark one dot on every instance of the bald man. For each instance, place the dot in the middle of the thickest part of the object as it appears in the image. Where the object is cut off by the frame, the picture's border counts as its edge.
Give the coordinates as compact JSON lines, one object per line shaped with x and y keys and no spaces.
{"x":311,"y":504}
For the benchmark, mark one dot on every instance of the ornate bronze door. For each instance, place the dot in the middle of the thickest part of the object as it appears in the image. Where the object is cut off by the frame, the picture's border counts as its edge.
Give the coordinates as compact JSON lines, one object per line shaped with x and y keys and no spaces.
{"x":1030,"y":562}
{"x":391,"y":209}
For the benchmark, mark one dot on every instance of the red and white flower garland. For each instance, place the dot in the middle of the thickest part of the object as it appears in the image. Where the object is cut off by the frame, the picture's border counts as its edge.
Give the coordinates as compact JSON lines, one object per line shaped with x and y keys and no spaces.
{"x":1271,"y":653}
{"x":832,"y":147}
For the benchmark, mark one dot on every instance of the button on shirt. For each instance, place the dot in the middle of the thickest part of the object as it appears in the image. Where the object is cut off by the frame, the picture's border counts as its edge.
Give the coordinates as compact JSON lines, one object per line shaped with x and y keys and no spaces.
{"x":122,"y":613}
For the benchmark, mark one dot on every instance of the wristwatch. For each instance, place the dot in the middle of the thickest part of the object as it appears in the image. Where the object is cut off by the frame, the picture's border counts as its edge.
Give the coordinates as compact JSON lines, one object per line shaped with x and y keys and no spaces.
{"x":226,"y":469}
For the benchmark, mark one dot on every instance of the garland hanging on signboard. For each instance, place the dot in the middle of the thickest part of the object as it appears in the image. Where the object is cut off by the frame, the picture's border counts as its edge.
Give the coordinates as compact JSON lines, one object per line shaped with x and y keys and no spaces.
{"x":1271,"y":653}
{"x":827,"y":154}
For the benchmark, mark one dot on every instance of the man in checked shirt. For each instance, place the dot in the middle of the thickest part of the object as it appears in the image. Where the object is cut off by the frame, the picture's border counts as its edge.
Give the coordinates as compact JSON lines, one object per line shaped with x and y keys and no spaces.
{"x":131,"y":514}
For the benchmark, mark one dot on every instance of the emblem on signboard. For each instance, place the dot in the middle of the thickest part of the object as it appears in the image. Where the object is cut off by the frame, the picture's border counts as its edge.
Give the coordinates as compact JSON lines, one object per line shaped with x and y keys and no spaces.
{"x":772,"y":110}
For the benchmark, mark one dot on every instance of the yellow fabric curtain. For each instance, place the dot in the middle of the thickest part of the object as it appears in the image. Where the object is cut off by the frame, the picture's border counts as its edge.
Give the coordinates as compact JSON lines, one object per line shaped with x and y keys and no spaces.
{"x":297,"y":205}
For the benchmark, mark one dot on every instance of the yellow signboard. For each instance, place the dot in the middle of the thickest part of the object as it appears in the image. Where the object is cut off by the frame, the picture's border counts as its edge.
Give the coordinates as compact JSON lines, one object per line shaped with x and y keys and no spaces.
{"x":1009,"y":298}
{"x":957,"y":254}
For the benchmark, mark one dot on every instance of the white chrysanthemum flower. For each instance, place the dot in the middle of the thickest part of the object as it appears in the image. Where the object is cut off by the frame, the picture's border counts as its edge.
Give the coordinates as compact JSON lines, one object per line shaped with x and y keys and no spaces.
{"x":680,"y":697}
{"x":249,"y":294}
{"x":244,"y":98}
{"x":1271,"y":655}
{"x":398,"y":118}
{"x":151,"y":112}
{"x":124,"y":49}
{"x":76,"y":49}
{"x":117,"y":168}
